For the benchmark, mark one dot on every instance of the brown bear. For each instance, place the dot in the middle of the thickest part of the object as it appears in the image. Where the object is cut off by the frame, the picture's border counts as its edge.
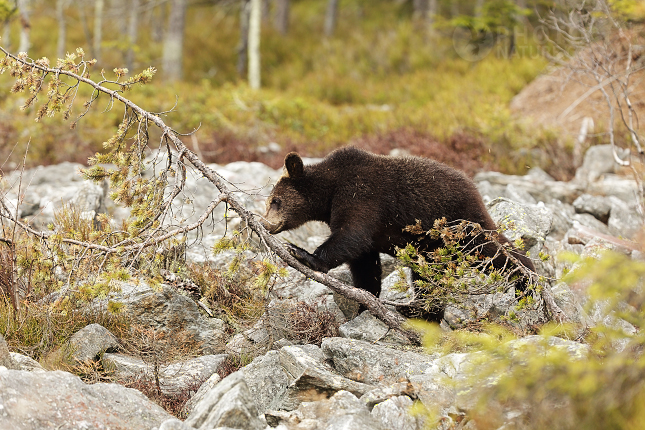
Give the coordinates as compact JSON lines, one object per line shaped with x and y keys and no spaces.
{"x":368,"y":200}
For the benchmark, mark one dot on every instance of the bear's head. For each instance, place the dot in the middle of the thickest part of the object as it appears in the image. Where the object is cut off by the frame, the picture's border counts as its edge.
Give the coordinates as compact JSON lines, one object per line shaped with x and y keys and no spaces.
{"x":287,"y":206}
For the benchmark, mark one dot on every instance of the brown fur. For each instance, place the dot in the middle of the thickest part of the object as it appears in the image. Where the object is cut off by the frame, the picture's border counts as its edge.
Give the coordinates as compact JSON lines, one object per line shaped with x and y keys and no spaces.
{"x":367,"y":200}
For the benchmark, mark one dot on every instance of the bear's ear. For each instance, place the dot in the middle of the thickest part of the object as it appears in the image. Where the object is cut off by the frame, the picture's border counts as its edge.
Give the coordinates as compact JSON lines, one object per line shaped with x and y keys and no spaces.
{"x":293,"y":164}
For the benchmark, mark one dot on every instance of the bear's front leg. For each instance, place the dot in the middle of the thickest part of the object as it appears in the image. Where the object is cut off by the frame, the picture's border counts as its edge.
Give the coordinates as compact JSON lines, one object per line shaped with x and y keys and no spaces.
{"x":309,"y":260}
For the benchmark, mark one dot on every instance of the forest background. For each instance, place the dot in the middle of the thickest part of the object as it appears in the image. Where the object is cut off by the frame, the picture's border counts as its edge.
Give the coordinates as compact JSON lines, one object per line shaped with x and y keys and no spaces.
{"x":432,"y":77}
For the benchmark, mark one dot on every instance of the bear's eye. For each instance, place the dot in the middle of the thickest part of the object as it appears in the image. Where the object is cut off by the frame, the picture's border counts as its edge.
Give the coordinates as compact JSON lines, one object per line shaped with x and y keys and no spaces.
{"x":275,"y":202}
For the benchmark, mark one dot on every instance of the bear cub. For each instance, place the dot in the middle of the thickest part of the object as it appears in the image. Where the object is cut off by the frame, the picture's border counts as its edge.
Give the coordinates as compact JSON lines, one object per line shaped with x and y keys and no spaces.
{"x":367,"y":200}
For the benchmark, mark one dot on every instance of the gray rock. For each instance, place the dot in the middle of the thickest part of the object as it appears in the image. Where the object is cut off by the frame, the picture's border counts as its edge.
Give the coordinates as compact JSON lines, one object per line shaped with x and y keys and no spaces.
{"x":311,"y":378}
{"x":364,"y":327}
{"x":536,"y":186}
{"x":201,"y":392}
{"x":518,"y":194}
{"x":383,"y":392}
{"x":496,"y":307}
{"x":598,"y":161}
{"x":624,"y":220}
{"x":590,"y":221}
{"x":597,"y":206}
{"x":22,"y":362}
{"x":341,"y":411}
{"x":56,"y":399}
{"x":174,"y":378}
{"x":5,"y":355}
{"x":90,"y":341}
{"x":174,"y":424}
{"x":531,"y":223}
{"x":373,"y":364}
{"x":562,"y":218}
{"x":620,"y":187}
{"x":267,"y":380}
{"x":395,"y":413}
{"x":228,"y":404}
{"x":170,"y":311}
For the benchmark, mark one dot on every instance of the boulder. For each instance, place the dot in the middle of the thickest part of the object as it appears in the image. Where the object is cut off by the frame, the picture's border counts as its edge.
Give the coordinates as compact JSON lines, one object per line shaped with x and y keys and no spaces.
{"x":597,"y":206}
{"x":395,"y":413}
{"x":364,"y":327}
{"x":598,"y":161}
{"x":531,"y":223}
{"x":90,"y":341}
{"x":38,"y":400}
{"x":174,"y":378}
{"x":22,"y":362}
{"x":228,"y":404}
{"x":373,"y":364}
{"x":169,"y":311}
{"x":5,"y":355}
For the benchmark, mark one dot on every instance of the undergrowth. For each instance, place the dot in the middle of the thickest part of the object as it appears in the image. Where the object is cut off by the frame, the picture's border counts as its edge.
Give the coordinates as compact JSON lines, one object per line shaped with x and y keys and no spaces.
{"x":540,"y":384}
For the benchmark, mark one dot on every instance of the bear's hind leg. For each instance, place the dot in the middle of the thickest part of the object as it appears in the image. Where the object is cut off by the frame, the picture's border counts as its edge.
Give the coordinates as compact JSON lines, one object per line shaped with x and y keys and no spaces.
{"x":366,"y":272}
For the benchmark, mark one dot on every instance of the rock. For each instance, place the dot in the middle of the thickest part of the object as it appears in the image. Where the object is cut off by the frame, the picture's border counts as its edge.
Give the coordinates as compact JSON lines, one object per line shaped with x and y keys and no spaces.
{"x":519,"y":195}
{"x":174,"y":378}
{"x":341,"y":411}
{"x":496,"y":307}
{"x":395,"y":413}
{"x":89,"y":199}
{"x":597,"y":206}
{"x":531,"y":223}
{"x":598,"y":161}
{"x":38,"y":400}
{"x":208,"y":385}
{"x":5,"y":355}
{"x":311,"y":378}
{"x":384,"y":392}
{"x":569,"y":304}
{"x":22,"y":362}
{"x":90,"y":341}
{"x":589,"y":221}
{"x":169,"y":311}
{"x":624,"y":219}
{"x":281,"y":380}
{"x":174,"y":424}
{"x":536,"y":186}
{"x":373,"y":364}
{"x":364,"y":327}
{"x":228,"y":404}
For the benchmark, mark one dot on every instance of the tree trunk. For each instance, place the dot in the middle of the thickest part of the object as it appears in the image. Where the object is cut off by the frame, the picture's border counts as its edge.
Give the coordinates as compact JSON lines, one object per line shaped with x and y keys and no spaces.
{"x":98,"y":29}
{"x":62,"y":29}
{"x":25,"y":25}
{"x":478,"y":7}
{"x":420,"y":9}
{"x":174,"y":41}
{"x":133,"y":25}
{"x":254,"y":43}
{"x":243,"y":47}
{"x":331,"y":16}
{"x":266,"y":10}
{"x":281,"y":19}
{"x":454,"y":9}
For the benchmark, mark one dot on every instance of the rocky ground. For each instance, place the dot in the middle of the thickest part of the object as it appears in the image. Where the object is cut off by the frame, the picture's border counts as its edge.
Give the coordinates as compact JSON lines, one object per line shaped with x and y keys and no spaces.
{"x":367,"y":376}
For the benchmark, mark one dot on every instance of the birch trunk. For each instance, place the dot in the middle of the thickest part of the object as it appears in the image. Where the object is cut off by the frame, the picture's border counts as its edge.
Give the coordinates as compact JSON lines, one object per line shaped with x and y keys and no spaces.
{"x":254,"y":43}
{"x":331,"y":16}
{"x":98,"y":29}
{"x":62,"y":28}
{"x":25,"y":25}
{"x":133,"y":25}
{"x":281,"y":20}
{"x":174,"y":41}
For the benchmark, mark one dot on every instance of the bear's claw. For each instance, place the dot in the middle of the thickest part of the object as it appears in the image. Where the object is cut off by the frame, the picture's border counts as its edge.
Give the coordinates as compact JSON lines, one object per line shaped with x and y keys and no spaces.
{"x":305,"y":257}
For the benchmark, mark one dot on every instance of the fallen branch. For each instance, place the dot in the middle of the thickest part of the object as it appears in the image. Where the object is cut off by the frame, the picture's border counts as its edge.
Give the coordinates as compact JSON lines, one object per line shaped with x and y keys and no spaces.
{"x":392,"y":319}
